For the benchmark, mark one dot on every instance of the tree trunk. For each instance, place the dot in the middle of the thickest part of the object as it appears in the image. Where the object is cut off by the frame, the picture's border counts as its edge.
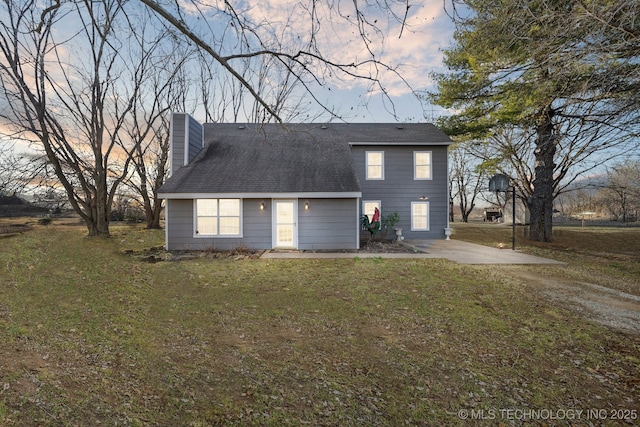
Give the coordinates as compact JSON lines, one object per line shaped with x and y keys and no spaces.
{"x":97,"y":221}
{"x":148,"y":210}
{"x":451,"y":214}
{"x":152,"y":209}
{"x":97,"y":229}
{"x":155,"y":225}
{"x":157,"y":210}
{"x":541,"y":204}
{"x":152,"y":206}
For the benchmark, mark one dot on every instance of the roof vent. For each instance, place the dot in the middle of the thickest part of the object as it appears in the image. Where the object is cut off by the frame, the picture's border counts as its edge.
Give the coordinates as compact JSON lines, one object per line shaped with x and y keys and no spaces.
{"x":241,"y":127}
{"x":323,"y":127}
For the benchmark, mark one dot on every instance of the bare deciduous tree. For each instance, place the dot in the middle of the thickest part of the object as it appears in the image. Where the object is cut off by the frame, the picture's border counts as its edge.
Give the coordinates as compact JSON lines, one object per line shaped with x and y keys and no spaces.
{"x":75,"y":79}
{"x":468,"y":178}
{"x":15,"y":169}
{"x":249,"y":42}
{"x":159,"y":86}
{"x":72,"y":108}
{"x":621,"y":195}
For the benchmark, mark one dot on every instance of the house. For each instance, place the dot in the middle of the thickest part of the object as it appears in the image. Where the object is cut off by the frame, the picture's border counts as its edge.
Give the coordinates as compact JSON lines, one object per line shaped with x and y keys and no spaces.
{"x":301,"y":186}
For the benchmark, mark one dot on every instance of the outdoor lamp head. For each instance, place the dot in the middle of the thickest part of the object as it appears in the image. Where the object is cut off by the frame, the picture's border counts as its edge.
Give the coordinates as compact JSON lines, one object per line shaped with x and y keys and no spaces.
{"x":499,"y":183}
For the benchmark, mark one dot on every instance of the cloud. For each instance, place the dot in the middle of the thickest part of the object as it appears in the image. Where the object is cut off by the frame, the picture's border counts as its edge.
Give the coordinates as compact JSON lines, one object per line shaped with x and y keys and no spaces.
{"x":419,"y":50}
{"x":412,"y":47}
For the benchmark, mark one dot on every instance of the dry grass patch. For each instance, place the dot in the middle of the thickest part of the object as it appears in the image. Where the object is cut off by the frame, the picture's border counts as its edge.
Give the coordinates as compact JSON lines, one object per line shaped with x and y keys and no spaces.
{"x":606,"y":256}
{"x":104,"y":338}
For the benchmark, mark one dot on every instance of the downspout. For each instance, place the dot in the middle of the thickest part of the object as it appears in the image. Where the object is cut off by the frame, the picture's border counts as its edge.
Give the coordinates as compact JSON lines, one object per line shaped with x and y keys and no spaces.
{"x":358,"y":223}
{"x":166,"y":224}
{"x":447,"y":230}
{"x":187,"y":137}
{"x":171,"y":168}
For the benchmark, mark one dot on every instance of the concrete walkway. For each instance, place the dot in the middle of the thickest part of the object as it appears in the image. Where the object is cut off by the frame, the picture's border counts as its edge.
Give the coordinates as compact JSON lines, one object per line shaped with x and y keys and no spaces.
{"x":453,"y":250}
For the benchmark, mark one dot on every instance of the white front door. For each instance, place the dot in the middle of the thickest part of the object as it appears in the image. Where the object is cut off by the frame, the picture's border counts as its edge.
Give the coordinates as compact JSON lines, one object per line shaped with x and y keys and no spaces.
{"x":285,"y":224}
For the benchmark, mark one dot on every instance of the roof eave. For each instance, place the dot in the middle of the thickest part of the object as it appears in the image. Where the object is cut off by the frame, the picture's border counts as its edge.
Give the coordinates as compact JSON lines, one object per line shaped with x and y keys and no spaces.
{"x":291,"y":195}
{"x":401,"y":143}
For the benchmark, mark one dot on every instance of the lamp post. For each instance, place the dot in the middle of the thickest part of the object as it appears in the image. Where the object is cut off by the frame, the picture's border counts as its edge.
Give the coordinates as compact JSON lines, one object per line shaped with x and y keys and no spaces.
{"x":513,"y":218}
{"x":499,"y":183}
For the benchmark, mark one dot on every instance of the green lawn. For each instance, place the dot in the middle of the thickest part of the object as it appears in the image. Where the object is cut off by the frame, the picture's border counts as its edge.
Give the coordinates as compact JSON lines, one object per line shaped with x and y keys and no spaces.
{"x":91,"y":335}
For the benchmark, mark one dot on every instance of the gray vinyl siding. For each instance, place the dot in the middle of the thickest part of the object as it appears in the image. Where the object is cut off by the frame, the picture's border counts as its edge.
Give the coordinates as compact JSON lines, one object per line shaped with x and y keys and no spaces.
{"x":179,"y":225}
{"x":177,"y":141}
{"x":180,"y":137}
{"x":328,"y":224}
{"x":399,"y":189}
{"x":256,"y":227}
{"x":195,"y":138}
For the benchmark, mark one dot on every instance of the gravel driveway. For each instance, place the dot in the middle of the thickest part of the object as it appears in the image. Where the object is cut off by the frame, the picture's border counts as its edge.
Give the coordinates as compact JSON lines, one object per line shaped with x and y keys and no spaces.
{"x":606,"y":306}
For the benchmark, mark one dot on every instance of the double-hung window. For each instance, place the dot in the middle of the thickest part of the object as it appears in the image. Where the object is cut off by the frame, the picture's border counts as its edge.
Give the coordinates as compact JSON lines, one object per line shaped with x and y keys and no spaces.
{"x":218,"y":217}
{"x":419,"y":216}
{"x":369,"y":207}
{"x":375,"y":164}
{"x":421,"y":165}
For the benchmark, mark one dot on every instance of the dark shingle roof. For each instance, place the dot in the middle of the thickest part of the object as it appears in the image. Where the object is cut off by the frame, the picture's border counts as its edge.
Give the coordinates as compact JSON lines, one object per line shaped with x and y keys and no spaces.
{"x":290,"y":158}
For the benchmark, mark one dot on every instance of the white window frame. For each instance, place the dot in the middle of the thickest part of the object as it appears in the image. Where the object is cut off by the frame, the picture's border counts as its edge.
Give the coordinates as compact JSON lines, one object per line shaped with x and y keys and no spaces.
{"x":197,"y":234}
{"x":413,"y":216}
{"x":416,"y":165}
{"x":381,"y":165}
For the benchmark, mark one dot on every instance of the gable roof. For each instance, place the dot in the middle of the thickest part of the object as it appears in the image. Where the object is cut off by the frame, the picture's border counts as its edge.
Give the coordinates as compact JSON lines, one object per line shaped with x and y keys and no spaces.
{"x":246,"y":159}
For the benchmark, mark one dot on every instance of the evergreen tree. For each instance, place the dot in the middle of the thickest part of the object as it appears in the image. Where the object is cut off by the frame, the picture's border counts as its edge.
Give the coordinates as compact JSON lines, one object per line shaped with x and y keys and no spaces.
{"x":566,"y":70}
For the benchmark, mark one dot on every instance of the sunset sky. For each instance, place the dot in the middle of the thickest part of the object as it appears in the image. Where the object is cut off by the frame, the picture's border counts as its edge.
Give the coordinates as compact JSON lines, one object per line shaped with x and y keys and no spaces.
{"x":413,"y":49}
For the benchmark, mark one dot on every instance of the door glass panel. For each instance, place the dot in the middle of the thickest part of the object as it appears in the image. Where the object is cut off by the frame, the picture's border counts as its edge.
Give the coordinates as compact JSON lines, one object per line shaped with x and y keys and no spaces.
{"x":285,"y":224}
{"x":285,"y":212}
{"x":285,"y":235}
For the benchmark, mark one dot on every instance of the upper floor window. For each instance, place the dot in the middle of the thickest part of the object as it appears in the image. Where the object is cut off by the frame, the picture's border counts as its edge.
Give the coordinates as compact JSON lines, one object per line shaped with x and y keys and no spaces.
{"x":217,"y":217}
{"x":422,"y":165}
{"x":375,"y":164}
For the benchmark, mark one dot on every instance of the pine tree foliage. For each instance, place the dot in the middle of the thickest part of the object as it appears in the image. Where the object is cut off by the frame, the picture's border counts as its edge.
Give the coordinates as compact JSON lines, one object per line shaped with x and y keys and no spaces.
{"x":567,"y":71}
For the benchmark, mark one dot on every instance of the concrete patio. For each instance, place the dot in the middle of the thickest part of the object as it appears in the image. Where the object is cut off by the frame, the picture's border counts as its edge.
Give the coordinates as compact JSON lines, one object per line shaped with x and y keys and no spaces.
{"x":453,"y":250}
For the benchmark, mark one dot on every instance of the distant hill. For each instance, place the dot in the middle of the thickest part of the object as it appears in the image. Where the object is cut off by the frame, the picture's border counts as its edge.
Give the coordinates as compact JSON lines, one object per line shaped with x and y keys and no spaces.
{"x":13,"y":206}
